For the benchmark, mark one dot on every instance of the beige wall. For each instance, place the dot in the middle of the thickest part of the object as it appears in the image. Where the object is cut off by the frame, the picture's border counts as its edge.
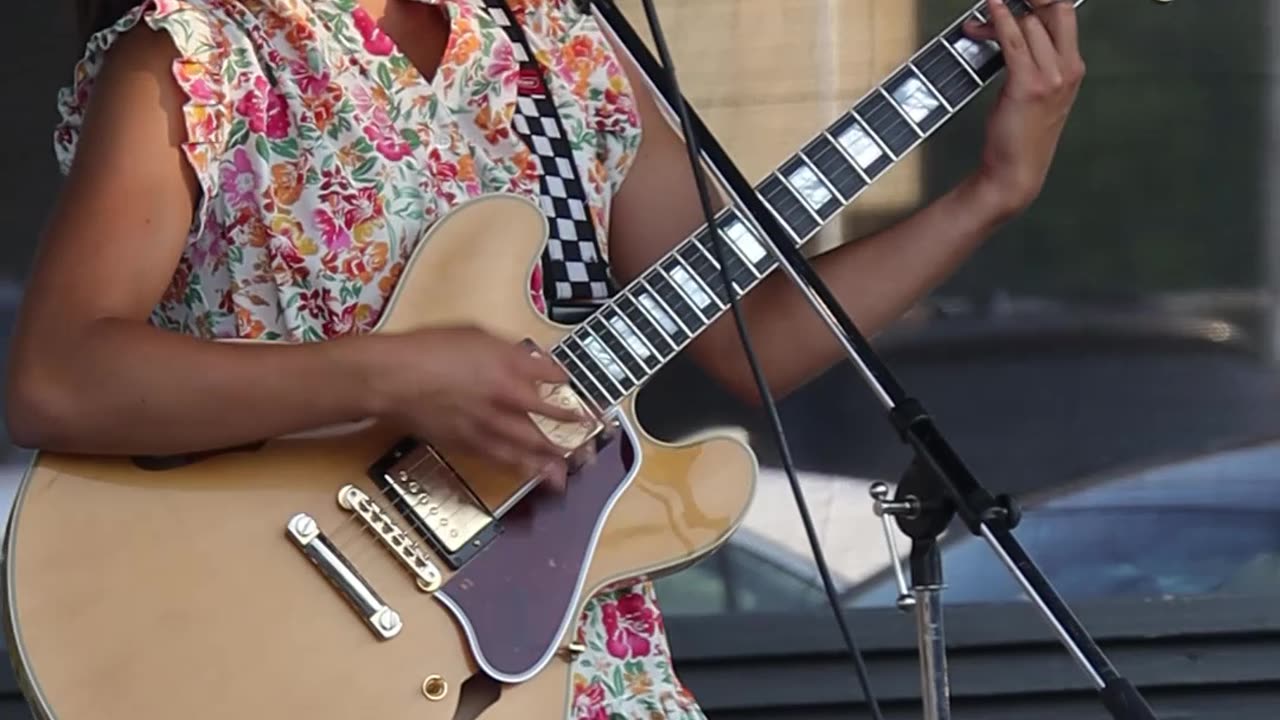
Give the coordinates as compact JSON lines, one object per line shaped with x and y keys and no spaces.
{"x":767,"y":75}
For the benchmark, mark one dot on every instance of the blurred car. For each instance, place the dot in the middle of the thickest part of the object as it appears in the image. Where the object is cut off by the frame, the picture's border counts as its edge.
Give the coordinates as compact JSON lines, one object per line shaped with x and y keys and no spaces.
{"x":1034,"y":397}
{"x":1202,"y":525}
{"x":1208,"y":524}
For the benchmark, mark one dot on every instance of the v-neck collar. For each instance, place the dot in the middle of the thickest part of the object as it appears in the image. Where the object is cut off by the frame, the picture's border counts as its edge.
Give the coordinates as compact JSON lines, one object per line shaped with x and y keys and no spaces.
{"x":477,"y":53}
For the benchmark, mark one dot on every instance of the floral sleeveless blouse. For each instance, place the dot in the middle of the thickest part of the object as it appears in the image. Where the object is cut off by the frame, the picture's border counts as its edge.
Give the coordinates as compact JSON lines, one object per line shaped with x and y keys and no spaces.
{"x":323,"y":156}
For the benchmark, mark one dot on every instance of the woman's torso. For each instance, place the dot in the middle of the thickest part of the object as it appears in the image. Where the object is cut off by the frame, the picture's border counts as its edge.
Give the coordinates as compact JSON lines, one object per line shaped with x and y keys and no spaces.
{"x":324,"y":156}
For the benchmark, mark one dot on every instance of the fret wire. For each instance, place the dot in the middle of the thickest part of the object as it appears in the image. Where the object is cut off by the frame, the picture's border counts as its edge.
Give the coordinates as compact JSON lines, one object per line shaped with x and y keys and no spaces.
{"x":669,"y":312}
{"x":941,"y":49}
{"x":833,"y":192}
{"x":841,"y":149}
{"x":685,"y":301}
{"x":580,"y":388}
{"x":955,"y":81}
{"x":958,"y":81}
{"x":734,"y":220}
{"x":608,"y":397}
{"x":631,"y":337}
{"x":835,"y":170}
{"x":804,"y":205}
{"x":709,"y":275}
{"x":918,"y":61}
{"x":814,"y":163}
{"x":908,"y":130}
{"x":949,"y":88}
{"x":947,"y":50}
{"x":737,"y":283}
{"x":600,"y":326}
{"x":783,"y":223}
{"x":636,"y":309}
{"x":713,"y":271}
{"x":604,"y":349}
{"x":919,"y":74}
{"x":905,"y":115}
{"x":682,"y":293}
{"x":741,"y":272}
{"x":584,"y":354}
{"x":693,"y":277}
{"x":723,"y":232}
{"x":599,"y":373}
{"x":651,"y":332}
{"x":774,"y":191}
{"x":742,"y":275}
{"x":963,"y":63}
{"x":616,"y":347}
{"x":879,"y":142}
{"x":731,"y":253}
{"x":640,"y":335}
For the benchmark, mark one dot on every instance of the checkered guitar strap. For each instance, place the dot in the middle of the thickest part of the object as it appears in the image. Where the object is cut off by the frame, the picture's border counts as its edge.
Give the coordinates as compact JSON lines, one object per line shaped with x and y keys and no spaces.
{"x":576,"y":278}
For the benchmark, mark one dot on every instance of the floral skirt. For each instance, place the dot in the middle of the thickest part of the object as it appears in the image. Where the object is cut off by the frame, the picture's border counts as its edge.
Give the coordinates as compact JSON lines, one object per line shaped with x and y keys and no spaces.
{"x":626,"y":671}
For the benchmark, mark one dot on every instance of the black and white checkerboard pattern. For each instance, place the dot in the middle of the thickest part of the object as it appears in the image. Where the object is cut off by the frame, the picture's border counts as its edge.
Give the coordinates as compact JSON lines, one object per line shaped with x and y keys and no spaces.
{"x":575,"y":274}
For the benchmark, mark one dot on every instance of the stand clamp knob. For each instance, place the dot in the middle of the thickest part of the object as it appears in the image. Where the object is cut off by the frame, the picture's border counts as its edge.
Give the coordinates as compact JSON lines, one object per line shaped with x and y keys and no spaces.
{"x":884,"y":508}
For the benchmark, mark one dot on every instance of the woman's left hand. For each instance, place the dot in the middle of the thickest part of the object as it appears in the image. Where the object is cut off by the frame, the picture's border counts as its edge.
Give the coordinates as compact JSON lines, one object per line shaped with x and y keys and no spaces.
{"x":1045,"y":71}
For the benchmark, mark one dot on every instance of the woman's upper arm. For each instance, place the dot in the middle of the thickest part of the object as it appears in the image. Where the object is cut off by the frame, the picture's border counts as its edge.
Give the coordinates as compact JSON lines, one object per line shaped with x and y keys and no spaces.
{"x":124,"y":212}
{"x":658,"y":205}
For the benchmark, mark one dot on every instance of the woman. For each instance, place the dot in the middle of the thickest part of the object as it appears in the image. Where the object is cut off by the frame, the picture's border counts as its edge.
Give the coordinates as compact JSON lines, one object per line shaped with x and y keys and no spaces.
{"x":262,"y":170}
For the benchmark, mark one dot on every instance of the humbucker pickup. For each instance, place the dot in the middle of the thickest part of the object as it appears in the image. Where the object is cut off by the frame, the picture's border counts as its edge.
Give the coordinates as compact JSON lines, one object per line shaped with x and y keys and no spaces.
{"x":439,"y":504}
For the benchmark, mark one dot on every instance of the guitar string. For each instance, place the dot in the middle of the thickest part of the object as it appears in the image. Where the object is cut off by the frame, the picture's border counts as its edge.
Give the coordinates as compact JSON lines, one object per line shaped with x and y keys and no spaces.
{"x":953,"y":81}
{"x":361,"y":527}
{"x":355,"y":524}
{"x":341,"y":535}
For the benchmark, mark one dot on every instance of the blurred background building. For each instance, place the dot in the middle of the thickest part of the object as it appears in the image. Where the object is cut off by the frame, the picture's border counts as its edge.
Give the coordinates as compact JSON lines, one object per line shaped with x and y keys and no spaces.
{"x":1110,"y":357}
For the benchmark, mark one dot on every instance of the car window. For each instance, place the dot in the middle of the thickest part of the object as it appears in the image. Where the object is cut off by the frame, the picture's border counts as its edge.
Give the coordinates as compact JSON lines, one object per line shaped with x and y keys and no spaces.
{"x":736,"y":580}
{"x":1113,"y":553}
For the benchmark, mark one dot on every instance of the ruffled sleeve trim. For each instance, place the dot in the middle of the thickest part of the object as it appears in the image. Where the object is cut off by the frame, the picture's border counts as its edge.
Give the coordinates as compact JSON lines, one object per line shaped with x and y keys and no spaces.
{"x":198,"y":70}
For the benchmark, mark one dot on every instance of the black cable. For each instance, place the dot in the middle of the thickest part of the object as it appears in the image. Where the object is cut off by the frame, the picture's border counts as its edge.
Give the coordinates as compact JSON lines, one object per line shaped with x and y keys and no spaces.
{"x":766,"y":397}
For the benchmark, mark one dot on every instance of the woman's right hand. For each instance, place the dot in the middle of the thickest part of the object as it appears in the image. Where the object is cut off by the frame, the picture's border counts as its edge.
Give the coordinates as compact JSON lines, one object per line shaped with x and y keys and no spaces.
{"x":464,"y":387}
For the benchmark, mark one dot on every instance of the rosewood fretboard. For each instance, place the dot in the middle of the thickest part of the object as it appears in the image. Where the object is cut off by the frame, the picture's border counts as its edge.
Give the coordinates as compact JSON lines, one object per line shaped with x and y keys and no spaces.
{"x":614,"y":351}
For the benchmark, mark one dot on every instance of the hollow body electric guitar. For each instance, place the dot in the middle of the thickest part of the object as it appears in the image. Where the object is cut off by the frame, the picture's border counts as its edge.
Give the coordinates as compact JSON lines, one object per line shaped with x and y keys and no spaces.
{"x":356,"y":574}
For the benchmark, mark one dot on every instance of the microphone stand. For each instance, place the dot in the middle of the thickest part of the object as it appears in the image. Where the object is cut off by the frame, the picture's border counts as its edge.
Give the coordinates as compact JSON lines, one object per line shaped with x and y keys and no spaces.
{"x":938,"y":485}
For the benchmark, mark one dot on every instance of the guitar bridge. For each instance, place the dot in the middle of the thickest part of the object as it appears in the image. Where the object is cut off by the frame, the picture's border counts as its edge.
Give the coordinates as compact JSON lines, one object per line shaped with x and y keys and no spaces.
{"x":396,"y":540}
{"x":431,"y":496}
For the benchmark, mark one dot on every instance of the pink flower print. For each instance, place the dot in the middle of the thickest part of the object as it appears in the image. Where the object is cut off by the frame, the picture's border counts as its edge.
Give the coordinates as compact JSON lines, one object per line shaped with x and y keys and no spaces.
{"x":375,"y":40}
{"x":535,"y":290}
{"x":628,"y":625}
{"x":273,"y":119}
{"x":588,"y":702}
{"x":502,"y":66}
{"x":239,"y":180}
{"x":278,"y":123}
{"x":388,"y":144}
{"x":361,"y":206}
{"x":374,"y":107}
{"x":195,"y":82}
{"x":337,"y":236}
{"x":310,"y":84}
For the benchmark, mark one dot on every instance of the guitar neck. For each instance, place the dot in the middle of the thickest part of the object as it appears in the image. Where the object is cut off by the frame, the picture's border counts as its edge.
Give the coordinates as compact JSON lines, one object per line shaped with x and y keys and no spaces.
{"x":620,"y":346}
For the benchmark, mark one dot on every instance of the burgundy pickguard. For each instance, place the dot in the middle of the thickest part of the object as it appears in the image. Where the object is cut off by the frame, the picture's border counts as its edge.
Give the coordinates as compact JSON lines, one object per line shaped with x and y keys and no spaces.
{"x":516,"y":592}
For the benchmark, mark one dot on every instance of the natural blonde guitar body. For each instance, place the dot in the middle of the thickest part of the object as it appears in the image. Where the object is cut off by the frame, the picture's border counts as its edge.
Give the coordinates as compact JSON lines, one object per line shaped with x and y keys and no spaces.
{"x":138,"y":594}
